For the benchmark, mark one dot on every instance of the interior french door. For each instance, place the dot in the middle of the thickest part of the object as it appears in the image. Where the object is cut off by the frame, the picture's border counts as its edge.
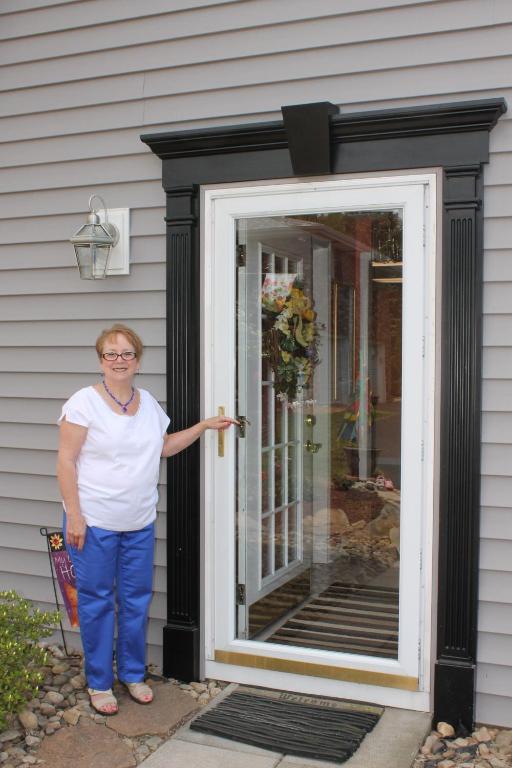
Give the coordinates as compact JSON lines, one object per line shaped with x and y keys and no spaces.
{"x":270,"y":502}
{"x":318,"y":337}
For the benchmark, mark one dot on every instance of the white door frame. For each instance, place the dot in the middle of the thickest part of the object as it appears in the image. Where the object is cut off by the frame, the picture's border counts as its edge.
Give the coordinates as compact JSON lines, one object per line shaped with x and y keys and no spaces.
{"x":416,"y":193}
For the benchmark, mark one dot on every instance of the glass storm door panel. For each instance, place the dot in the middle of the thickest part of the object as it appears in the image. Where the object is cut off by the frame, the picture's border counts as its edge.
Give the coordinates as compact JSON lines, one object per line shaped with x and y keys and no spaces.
{"x":326,"y":316}
{"x":319,"y":350}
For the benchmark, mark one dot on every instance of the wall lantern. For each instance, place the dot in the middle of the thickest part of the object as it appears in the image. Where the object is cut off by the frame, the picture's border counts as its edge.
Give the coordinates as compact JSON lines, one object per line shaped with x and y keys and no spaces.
{"x":102,"y":246}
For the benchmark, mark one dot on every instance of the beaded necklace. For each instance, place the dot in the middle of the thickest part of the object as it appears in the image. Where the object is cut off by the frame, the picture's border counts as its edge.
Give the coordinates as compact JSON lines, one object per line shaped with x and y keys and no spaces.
{"x":124,"y":406}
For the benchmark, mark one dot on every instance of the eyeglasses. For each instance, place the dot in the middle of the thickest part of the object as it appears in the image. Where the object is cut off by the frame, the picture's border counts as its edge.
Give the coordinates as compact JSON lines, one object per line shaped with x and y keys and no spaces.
{"x":113,"y":356}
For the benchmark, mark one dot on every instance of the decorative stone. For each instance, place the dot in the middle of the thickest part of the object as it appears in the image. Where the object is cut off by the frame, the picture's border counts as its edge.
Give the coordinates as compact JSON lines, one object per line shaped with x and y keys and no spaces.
{"x":203,"y":698}
{"x":60,"y":667}
{"x":483,"y":750}
{"x":78,"y":681}
{"x":16,"y":752}
{"x":194,"y":694}
{"x":28,"y":719}
{"x":199,"y":687}
{"x":446,"y":763}
{"x":9,"y":735}
{"x":503,"y":739}
{"x":57,"y":652}
{"x":100,"y":719}
{"x":59,"y":680}
{"x":47,"y":709}
{"x":53,"y":697}
{"x":497,"y":763}
{"x":215,"y":692}
{"x":32,"y":741}
{"x":432,"y":744}
{"x":185,"y":687}
{"x":482,"y":734}
{"x":445,"y":730}
{"x":72,"y":716}
{"x":29,"y":760}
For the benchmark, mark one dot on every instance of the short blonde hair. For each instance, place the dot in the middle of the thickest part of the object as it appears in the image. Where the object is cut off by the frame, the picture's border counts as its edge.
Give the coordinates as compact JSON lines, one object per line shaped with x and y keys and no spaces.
{"x":109,"y":334}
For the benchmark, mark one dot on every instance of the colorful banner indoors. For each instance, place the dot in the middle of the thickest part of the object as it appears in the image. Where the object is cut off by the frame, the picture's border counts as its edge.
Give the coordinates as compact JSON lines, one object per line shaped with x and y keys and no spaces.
{"x":65,"y":574}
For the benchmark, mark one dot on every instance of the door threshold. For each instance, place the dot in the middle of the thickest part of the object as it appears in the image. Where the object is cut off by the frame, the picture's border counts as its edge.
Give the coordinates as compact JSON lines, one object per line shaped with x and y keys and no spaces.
{"x":311,"y":669}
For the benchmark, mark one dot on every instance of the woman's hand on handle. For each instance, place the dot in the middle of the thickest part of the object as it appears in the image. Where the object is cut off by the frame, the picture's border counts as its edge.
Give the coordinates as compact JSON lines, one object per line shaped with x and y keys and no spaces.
{"x":219,"y":422}
{"x":178,"y":441}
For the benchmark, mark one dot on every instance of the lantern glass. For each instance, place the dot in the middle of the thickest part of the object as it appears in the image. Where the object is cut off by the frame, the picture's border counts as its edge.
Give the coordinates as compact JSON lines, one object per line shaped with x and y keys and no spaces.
{"x":92,"y":260}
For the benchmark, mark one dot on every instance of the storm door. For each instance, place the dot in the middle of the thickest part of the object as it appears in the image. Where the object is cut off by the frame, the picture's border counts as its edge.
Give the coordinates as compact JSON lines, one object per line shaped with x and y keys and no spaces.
{"x":320,"y":310}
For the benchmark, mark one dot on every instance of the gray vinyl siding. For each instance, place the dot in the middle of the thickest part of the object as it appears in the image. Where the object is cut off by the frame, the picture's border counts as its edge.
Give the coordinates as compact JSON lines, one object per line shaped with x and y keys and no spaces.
{"x":79,"y":86}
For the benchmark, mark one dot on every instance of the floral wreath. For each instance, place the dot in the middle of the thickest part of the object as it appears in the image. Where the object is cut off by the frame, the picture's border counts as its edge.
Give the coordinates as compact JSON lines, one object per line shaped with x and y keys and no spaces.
{"x":290,"y":335}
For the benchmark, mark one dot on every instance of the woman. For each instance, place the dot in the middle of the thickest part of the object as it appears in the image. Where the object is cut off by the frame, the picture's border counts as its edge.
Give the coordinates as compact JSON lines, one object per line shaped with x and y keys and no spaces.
{"x":112,"y":436}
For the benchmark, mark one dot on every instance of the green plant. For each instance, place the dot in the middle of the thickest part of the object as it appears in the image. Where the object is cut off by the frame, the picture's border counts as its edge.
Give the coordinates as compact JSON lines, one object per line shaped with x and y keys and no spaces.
{"x":21,"y":658}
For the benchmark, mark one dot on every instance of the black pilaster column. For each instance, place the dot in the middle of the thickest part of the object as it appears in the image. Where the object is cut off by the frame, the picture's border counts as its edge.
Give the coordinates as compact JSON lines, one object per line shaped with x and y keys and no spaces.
{"x":460,"y":446}
{"x":181,"y":634}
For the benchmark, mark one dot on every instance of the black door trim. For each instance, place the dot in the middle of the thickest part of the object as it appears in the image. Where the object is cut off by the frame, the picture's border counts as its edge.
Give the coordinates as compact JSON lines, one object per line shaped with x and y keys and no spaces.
{"x":452,"y":136}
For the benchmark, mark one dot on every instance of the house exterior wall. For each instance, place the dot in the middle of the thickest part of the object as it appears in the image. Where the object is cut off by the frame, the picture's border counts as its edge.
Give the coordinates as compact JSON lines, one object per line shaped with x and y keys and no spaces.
{"x":80,"y":81}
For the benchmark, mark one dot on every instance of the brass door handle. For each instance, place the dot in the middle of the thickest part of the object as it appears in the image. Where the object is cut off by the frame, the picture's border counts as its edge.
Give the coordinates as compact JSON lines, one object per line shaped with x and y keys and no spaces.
{"x":312,"y":447}
{"x":220,"y":435}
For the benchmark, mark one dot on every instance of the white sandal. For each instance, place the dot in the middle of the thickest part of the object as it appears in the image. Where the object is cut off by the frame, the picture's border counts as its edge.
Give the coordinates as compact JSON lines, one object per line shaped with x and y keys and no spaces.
{"x":140,"y":692}
{"x":101,"y":700}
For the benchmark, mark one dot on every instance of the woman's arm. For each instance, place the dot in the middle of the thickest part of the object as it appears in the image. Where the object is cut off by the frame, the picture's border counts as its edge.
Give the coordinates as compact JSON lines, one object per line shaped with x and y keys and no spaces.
{"x":72,"y":437}
{"x":180,"y":440}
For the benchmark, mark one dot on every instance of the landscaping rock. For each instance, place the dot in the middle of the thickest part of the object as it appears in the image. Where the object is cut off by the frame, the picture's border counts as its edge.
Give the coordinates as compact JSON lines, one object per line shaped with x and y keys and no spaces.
{"x":445,"y":730}
{"x":47,"y":709}
{"x":199,"y":687}
{"x":78,"y":681}
{"x":28,"y":719}
{"x":53,"y":697}
{"x":503,"y":739}
{"x":72,"y":716}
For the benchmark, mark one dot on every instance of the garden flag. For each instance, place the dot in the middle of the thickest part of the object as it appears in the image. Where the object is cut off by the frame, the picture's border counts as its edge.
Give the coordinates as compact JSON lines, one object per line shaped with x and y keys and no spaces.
{"x":65,"y":574}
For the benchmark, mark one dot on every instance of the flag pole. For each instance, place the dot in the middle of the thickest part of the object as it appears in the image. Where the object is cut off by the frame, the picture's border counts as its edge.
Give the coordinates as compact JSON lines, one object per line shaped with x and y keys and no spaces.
{"x":44,"y":532}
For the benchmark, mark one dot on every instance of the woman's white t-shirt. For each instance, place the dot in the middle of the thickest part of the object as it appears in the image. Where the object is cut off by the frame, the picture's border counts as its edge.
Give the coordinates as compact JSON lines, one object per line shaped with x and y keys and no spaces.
{"x":118,"y":464}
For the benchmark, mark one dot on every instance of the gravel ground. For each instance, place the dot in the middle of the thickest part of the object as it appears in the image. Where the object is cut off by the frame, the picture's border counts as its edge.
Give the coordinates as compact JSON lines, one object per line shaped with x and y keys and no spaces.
{"x":63,"y":699}
{"x":484,"y":748}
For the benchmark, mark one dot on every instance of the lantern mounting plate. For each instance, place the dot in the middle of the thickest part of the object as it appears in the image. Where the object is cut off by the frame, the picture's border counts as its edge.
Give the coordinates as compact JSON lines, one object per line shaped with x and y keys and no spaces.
{"x":119,"y":259}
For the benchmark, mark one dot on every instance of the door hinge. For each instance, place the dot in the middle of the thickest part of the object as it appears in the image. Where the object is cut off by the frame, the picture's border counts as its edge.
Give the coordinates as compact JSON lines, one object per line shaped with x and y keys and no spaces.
{"x":422,"y":451}
{"x":240,"y":594}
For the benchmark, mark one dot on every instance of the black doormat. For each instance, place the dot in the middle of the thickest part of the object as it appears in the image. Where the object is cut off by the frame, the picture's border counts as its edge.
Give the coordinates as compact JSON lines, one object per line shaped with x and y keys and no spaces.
{"x":323,"y":729}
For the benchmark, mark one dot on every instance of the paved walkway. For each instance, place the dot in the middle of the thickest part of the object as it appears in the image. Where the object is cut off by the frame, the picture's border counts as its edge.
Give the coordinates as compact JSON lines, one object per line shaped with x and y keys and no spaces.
{"x":117,"y":742}
{"x":393,"y":743}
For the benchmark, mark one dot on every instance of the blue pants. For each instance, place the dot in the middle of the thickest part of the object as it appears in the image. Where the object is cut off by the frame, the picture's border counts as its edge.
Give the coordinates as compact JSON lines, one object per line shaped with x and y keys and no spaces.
{"x":112,"y":565}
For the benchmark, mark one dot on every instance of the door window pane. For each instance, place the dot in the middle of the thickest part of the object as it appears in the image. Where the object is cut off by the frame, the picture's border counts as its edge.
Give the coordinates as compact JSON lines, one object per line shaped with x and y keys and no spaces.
{"x":321,"y":386}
